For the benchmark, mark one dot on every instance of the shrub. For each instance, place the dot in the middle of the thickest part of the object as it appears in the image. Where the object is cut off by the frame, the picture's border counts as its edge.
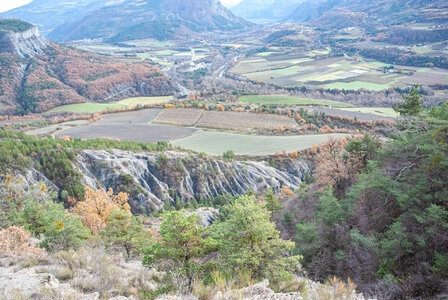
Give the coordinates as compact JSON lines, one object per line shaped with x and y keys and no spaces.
{"x":14,"y":241}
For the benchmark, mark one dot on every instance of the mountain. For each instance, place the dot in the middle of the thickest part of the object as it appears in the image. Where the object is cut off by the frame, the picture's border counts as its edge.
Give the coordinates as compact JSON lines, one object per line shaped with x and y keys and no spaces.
{"x":37,"y":75}
{"x":48,"y":14}
{"x":265,"y":9}
{"x":127,"y":19}
{"x":343,"y":13}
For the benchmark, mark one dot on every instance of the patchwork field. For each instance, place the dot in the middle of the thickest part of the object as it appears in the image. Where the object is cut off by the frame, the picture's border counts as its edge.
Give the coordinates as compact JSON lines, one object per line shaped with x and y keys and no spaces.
{"x":180,"y":117}
{"x":333,"y":73}
{"x":286,"y":99}
{"x":215,"y":143}
{"x":97,"y":107}
{"x":243,"y":121}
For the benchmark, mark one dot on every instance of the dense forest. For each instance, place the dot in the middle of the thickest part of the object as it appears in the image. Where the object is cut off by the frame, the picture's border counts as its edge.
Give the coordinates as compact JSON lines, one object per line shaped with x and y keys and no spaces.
{"x":377,"y":211}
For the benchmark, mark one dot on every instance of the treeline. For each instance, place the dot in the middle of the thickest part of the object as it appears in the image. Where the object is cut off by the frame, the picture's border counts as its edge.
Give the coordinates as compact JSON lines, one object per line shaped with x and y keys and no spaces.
{"x":405,"y":36}
{"x":394,"y":55}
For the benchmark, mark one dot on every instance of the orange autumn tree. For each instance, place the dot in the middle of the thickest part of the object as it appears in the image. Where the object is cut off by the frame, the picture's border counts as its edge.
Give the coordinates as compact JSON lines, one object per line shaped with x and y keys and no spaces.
{"x":98,"y":205}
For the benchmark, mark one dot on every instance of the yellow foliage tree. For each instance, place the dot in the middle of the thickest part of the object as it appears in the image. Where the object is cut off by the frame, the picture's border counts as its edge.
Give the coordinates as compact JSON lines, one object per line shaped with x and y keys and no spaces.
{"x":98,"y":206}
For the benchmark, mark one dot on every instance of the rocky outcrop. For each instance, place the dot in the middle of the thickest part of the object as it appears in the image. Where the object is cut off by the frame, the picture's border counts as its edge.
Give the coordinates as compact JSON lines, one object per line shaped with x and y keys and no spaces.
{"x":151,"y":179}
{"x":180,"y":175}
{"x":261,"y":291}
{"x":24,"y":44}
{"x":27,"y":284}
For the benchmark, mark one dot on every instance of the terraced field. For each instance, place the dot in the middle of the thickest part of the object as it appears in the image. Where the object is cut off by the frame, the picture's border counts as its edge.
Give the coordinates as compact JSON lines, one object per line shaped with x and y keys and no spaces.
{"x":215,"y":143}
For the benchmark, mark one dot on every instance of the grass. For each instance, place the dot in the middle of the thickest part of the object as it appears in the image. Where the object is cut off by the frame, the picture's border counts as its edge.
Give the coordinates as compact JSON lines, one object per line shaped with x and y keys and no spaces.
{"x":165,"y":52}
{"x":145,"y":100}
{"x":87,"y":107}
{"x":215,"y":143}
{"x":286,"y":99}
{"x":356,"y":85}
{"x":379,"y":111}
{"x":97,"y":107}
{"x":150,"y":43}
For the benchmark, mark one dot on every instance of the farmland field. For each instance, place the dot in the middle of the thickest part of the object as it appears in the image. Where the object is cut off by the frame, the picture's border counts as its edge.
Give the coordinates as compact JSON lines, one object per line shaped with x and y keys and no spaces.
{"x":97,"y":107}
{"x":380,"y":111}
{"x":215,"y":143}
{"x":128,"y":132}
{"x":332,"y":72}
{"x":182,"y":117}
{"x":243,"y":120}
{"x":128,"y":126}
{"x":286,"y":99}
{"x":145,"y":100}
{"x":57,"y":127}
{"x":355,"y":113}
{"x":86,"y":107}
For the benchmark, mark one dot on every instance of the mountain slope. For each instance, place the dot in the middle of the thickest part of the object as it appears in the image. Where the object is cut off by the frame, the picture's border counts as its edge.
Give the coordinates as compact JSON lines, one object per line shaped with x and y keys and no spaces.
{"x":37,"y":75}
{"x":342,"y":13}
{"x":163,"y":18}
{"x":265,"y":9}
{"x":48,"y":14}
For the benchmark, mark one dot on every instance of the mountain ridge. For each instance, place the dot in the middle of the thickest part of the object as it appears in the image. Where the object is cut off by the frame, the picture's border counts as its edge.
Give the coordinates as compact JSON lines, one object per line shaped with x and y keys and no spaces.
{"x":113,"y":20}
{"x":37,"y":75}
{"x":343,"y":13}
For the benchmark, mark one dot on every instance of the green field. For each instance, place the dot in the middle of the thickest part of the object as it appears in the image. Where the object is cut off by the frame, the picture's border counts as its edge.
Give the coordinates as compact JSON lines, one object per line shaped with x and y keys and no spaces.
{"x":87,"y":107}
{"x":145,"y":100}
{"x":150,"y":43}
{"x":215,"y":142}
{"x":98,"y":107}
{"x":286,"y":99}
{"x":379,"y":111}
{"x":165,"y":52}
{"x":356,"y":85}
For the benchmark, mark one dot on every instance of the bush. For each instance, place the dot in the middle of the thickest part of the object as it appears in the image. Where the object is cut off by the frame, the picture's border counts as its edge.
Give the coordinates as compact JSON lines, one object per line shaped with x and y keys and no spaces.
{"x":124,"y":231}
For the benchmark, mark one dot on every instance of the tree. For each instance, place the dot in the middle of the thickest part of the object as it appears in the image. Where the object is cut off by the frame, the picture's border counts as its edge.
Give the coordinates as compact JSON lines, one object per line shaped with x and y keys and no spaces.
{"x":98,"y":205}
{"x":127,"y":232}
{"x":412,"y":105}
{"x":183,"y":241}
{"x":360,"y":151}
{"x":272,"y":203}
{"x":249,"y":243}
{"x":228,"y":155}
{"x":60,"y":230}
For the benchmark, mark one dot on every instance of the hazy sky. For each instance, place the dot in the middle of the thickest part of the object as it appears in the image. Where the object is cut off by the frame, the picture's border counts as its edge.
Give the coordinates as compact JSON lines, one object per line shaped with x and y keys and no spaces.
{"x":6,"y":5}
{"x":10,"y":4}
